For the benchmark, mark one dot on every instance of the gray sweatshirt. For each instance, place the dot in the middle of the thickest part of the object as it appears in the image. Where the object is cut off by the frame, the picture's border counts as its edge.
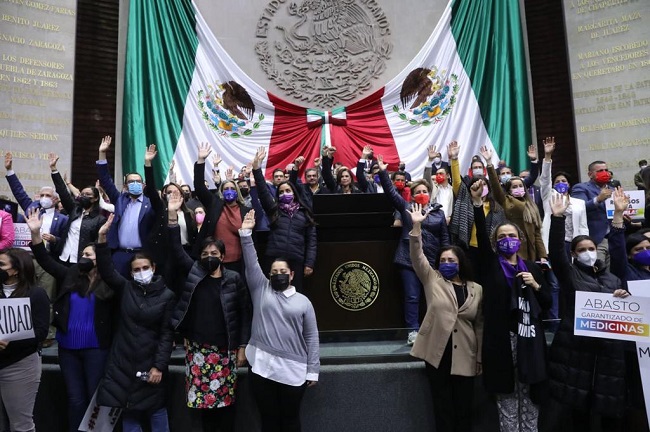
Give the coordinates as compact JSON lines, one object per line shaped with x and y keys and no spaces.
{"x":282,"y":326}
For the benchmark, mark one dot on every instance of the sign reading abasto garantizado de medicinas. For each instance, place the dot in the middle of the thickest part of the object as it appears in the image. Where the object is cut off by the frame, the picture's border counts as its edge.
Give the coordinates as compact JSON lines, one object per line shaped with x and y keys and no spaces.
{"x":605,"y":316}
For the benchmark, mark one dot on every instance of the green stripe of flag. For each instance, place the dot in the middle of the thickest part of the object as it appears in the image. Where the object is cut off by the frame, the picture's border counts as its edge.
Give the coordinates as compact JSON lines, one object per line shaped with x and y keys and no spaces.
{"x":490,"y":44}
{"x":161,"y":48}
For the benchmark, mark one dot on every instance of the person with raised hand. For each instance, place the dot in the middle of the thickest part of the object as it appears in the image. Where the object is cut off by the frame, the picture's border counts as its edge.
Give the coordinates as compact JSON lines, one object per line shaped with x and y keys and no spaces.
{"x":224,"y":212}
{"x":142,"y":343}
{"x":84,"y":217}
{"x":344,"y":183}
{"x":587,"y":375}
{"x":451,"y":336}
{"x":434,"y":237}
{"x":515,"y":299}
{"x":83,"y":316}
{"x":293,"y":229}
{"x":134,"y":214}
{"x":213,"y":314}
{"x":283,"y":350}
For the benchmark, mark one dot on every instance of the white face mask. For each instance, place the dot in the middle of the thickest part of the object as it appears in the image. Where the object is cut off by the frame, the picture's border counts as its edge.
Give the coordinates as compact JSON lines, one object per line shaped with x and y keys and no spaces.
{"x":436,"y":160}
{"x":588,"y":258}
{"x":477,"y":172}
{"x":144,"y":277}
{"x":46,"y":202}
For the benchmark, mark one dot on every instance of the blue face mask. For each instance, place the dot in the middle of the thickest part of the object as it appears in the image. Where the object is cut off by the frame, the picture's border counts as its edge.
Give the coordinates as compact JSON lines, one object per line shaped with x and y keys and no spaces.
{"x":561,"y":188}
{"x":135,"y":188}
{"x":448,"y":270}
{"x":230,"y":195}
{"x":642,"y":257}
{"x":376,"y":178}
{"x":505,"y":178}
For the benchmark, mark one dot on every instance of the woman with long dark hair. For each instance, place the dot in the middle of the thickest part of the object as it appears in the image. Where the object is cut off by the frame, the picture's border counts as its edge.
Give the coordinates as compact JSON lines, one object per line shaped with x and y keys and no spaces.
{"x":83,"y":316}
{"x":20,"y":362}
{"x":451,"y":335}
{"x":283,"y":350}
{"x":293,"y":229}
{"x":515,"y":297}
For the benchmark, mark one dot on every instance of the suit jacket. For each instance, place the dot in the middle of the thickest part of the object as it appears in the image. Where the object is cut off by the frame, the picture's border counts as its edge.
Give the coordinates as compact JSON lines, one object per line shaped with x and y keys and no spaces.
{"x":596,"y":212}
{"x":445,"y":319}
{"x":59,"y":221}
{"x":146,"y":218}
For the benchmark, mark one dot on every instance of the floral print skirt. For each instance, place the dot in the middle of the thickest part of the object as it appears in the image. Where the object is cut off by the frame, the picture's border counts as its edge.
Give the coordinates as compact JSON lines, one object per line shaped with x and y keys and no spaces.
{"x":210,"y":377}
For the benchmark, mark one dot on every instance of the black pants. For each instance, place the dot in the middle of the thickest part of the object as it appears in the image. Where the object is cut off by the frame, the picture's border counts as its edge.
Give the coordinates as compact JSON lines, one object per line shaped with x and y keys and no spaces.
{"x":279,"y":404}
{"x":452,"y":395}
{"x":218,"y":419}
{"x":582,"y":422}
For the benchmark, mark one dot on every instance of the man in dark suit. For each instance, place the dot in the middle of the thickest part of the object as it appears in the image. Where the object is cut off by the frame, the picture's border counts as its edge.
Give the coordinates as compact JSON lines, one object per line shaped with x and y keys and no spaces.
{"x":594,"y":193}
{"x":134,"y":216}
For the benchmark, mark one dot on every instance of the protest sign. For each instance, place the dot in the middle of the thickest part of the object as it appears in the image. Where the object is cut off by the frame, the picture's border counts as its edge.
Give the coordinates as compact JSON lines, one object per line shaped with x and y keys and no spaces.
{"x":99,"y":418}
{"x":636,"y":208}
{"x":16,"y":319}
{"x":605,"y":316}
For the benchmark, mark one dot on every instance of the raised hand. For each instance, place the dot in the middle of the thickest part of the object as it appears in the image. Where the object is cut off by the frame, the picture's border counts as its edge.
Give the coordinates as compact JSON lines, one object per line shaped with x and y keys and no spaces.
{"x":431,"y":152}
{"x":216,"y":160}
{"x":174,"y":203}
{"x":559,"y":204}
{"x":532,"y":152}
{"x":328,"y":152}
{"x":260,"y":155}
{"x":380,"y":161}
{"x":417,"y":216}
{"x":621,"y":201}
{"x":8,"y":161}
{"x":317,"y":162}
{"x":249,"y":220}
{"x":249,"y":169}
{"x":549,"y":147}
{"x":366,"y":152}
{"x":230,"y":172}
{"x":105,"y":144}
{"x":204,"y":151}
{"x":298,"y":162}
{"x":453,"y":149}
{"x":34,"y":221}
{"x":487,"y":154}
{"x":150,"y":155}
{"x":52,"y":159}
{"x":103,"y":230}
{"x":476,"y":190}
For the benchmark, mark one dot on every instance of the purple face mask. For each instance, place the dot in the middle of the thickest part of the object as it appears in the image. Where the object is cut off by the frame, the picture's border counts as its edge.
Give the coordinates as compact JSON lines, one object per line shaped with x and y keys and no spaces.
{"x":561,"y":188}
{"x":286,"y":198}
{"x":508,"y":245}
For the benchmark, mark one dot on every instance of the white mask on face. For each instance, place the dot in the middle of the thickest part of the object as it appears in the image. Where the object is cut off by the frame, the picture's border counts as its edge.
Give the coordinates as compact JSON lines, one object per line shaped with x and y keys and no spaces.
{"x":477,"y":172}
{"x":144,"y":277}
{"x":587,"y":258}
{"x":46,"y":202}
{"x":436,"y":160}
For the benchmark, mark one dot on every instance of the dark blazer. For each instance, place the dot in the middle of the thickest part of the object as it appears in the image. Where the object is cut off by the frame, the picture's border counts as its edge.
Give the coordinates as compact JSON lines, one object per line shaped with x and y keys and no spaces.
{"x":596,"y":212}
{"x":213,"y":206}
{"x":146,"y":218}
{"x":67,"y":278}
{"x":235,"y":299}
{"x":143,"y":339}
{"x":58,"y":222}
{"x":330,"y":181}
{"x":90,"y":224}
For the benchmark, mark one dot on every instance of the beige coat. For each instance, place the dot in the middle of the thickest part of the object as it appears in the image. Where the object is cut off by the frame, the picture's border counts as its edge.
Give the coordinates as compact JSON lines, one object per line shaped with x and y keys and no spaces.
{"x":444,"y":319}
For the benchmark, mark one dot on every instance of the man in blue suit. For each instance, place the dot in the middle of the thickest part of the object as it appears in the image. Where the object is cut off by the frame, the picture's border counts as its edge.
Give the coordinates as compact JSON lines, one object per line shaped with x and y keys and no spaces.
{"x":594,"y":193}
{"x":134,"y":216}
{"x":52,"y":230}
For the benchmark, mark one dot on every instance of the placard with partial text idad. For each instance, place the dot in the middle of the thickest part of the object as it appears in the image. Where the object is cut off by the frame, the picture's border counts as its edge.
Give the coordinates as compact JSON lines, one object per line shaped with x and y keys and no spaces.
{"x":16,"y":319}
{"x":605,"y":316}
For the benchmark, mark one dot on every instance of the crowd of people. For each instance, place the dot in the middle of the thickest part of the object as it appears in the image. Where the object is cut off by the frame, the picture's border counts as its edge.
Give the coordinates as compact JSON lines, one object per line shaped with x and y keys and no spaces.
{"x":497,"y":256}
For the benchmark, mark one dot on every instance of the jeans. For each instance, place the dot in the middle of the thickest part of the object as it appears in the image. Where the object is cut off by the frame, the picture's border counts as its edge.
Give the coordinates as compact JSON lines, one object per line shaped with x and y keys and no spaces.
{"x":82,"y":370}
{"x":132,"y":420}
{"x":412,"y":292}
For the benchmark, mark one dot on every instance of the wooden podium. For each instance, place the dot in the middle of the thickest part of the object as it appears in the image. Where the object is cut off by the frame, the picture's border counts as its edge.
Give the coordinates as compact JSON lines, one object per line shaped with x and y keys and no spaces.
{"x":355,"y":284}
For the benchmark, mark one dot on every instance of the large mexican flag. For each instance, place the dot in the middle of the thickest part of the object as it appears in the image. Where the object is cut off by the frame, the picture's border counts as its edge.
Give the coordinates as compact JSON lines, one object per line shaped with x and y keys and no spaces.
{"x":468,"y":83}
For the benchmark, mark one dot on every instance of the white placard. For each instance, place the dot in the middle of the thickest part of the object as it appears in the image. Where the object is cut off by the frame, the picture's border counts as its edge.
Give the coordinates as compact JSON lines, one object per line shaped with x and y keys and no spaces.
{"x":636,"y":209}
{"x":22,"y":236}
{"x":99,"y":418}
{"x":641,"y":288}
{"x":604,"y":316}
{"x":16,"y":319}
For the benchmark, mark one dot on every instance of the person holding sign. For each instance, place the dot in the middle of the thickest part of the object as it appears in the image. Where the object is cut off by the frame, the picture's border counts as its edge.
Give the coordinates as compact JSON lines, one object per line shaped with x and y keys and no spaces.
{"x":451,"y":335}
{"x":586,"y":374}
{"x":142,"y":343}
{"x":515,"y":297}
{"x":20,"y":336}
{"x":83,"y":316}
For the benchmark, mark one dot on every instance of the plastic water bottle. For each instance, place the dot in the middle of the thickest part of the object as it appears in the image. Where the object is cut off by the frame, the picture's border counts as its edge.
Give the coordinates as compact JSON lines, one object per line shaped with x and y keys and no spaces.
{"x":144,"y":376}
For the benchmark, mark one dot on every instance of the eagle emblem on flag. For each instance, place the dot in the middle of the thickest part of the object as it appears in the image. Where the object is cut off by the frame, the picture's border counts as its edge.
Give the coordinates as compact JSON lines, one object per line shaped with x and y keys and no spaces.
{"x":228,"y":109}
{"x":427,"y":96}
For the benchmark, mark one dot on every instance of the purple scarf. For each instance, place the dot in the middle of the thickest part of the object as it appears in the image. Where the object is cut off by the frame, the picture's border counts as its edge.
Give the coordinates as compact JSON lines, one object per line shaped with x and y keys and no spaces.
{"x":290,"y":208}
{"x":510,"y":271}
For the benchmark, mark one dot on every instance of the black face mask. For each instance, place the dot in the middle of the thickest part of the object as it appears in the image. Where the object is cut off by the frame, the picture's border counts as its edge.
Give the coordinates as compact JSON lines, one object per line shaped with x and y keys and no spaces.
{"x":85,"y":202}
{"x":210,"y":264}
{"x":3,"y":276}
{"x":280,"y":281}
{"x":244,"y":192}
{"x":187,"y":196}
{"x":85,"y":264}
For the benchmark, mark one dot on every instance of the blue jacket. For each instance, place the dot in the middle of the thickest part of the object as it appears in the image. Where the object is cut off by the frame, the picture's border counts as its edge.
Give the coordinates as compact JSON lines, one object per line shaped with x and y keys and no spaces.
{"x":146,"y":219}
{"x":596,"y":213}
{"x":625,"y":269}
{"x":58,"y":222}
